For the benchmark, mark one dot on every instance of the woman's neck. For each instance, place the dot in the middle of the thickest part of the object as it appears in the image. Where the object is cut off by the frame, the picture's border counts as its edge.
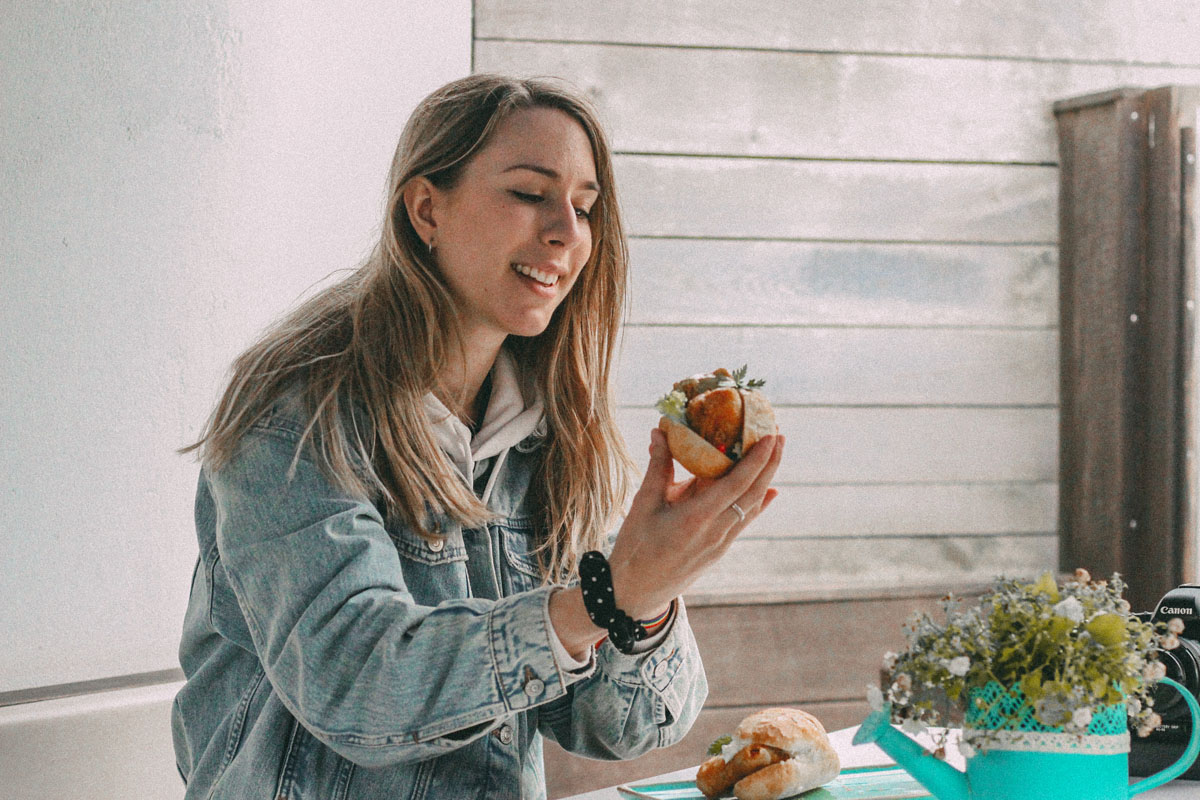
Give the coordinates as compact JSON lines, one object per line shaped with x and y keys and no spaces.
{"x":460,"y":384}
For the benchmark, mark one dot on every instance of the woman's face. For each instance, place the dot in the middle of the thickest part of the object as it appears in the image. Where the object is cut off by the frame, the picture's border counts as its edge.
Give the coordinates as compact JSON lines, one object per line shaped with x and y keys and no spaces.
{"x":513,"y":234}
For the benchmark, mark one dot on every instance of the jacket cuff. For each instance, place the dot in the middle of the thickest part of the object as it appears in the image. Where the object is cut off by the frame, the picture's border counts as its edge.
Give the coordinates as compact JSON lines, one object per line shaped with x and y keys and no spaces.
{"x":659,"y":668}
{"x":522,"y":644}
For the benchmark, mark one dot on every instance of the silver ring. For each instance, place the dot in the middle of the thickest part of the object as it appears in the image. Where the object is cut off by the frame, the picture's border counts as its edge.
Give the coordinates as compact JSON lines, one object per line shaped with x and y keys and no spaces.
{"x":738,"y":510}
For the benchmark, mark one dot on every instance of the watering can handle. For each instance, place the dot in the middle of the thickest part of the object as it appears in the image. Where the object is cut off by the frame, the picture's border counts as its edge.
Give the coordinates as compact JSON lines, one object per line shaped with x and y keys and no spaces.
{"x":1189,"y":754}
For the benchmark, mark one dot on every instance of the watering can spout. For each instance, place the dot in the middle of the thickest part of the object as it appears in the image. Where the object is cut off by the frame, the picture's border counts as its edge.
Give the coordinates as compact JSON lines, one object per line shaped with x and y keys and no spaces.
{"x":942,"y":780}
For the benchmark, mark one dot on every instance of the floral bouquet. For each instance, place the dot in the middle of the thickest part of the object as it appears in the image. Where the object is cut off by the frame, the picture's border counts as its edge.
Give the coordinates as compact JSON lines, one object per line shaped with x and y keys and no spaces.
{"x":1029,"y":657}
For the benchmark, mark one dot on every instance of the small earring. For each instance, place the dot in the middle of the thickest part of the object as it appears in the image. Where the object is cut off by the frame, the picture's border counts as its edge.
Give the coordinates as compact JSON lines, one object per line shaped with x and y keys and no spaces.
{"x":431,"y":245}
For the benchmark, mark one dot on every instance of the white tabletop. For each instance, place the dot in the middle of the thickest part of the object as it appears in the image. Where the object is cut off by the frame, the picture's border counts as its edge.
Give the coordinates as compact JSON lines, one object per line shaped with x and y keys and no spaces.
{"x":868,"y":755}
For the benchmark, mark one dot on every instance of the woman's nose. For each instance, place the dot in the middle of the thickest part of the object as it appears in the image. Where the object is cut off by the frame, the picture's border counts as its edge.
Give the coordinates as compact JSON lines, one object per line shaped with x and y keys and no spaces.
{"x":564,"y":226}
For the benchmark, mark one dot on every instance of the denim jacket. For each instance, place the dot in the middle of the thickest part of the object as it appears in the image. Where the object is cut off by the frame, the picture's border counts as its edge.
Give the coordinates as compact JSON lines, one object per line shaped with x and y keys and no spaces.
{"x":330,"y":654}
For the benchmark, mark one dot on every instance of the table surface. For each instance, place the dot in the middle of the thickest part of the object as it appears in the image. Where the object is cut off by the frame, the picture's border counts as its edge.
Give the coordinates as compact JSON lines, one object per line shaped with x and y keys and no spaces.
{"x":868,"y":755}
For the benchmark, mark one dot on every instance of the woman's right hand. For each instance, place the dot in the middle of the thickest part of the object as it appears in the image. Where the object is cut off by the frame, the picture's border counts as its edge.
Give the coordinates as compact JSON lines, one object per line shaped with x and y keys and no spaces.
{"x":674,"y":531}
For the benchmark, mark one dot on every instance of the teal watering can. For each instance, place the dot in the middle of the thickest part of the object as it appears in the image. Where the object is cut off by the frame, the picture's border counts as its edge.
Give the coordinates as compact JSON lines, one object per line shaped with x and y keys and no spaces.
{"x":999,"y":774}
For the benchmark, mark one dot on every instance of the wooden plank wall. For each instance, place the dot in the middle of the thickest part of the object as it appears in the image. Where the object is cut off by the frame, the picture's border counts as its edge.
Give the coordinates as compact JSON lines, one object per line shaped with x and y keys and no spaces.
{"x":860,"y":200}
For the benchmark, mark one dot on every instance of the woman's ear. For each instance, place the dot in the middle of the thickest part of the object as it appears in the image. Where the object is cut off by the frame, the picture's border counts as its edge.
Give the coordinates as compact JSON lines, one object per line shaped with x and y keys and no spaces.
{"x":419,"y":197}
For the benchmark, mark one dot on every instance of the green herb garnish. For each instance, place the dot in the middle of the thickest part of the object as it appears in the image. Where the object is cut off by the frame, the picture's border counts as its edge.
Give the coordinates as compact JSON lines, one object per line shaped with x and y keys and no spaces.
{"x":739,"y":380}
{"x":717,"y":746}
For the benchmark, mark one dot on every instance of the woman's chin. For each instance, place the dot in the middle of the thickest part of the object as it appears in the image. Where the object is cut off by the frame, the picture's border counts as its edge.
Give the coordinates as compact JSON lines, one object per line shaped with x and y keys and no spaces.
{"x":529,"y":325}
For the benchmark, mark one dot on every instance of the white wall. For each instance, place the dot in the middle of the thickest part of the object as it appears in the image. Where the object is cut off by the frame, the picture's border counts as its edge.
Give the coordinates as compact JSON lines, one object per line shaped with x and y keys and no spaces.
{"x":175,"y":175}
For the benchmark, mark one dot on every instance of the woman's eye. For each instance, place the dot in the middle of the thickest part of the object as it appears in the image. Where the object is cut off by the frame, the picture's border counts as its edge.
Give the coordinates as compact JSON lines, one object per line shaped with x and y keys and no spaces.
{"x":526,"y":197}
{"x":583,"y":213}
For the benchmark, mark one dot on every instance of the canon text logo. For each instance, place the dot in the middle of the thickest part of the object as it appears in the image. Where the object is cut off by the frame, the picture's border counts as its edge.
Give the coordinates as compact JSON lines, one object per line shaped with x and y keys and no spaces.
{"x":1170,"y":610}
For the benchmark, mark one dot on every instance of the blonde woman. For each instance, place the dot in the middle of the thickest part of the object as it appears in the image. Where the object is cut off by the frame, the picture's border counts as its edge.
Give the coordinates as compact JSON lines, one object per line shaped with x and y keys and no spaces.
{"x":405,"y":478}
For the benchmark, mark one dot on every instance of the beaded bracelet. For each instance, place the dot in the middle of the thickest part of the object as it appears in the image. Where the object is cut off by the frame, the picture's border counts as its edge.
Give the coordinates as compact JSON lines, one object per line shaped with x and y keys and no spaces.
{"x":595,"y":579}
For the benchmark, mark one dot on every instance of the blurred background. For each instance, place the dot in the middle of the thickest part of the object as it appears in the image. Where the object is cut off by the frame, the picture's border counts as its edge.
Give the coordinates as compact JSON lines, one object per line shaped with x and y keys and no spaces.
{"x":861,"y":201}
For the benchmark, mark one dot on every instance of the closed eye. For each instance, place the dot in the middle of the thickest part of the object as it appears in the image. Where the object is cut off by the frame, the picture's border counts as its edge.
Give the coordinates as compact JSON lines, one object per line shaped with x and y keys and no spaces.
{"x":526,"y":197}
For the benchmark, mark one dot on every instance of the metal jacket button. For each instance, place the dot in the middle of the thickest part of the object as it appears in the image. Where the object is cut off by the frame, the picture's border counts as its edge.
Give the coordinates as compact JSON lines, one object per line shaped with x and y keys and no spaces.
{"x":534,"y":687}
{"x":660,"y":669}
{"x":436,"y":545}
{"x":504,"y":734}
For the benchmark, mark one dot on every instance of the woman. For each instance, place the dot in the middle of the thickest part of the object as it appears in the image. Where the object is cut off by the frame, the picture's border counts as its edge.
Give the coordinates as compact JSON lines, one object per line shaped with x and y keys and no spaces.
{"x":406,"y":475}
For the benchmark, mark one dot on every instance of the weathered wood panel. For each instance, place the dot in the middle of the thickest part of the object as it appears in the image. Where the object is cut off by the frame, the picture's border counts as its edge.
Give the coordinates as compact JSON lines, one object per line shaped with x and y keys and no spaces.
{"x":858,"y":510}
{"x":898,"y":445}
{"x":766,"y":568}
{"x":824,"y":651}
{"x":841,"y":201}
{"x":751,"y":102}
{"x":707,"y":281}
{"x":1153,"y":31}
{"x":851,"y":366}
{"x":1126,"y":363}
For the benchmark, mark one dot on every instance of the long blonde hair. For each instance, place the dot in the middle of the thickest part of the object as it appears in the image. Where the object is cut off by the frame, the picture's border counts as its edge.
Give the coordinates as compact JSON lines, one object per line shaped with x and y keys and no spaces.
{"x":380,"y":338}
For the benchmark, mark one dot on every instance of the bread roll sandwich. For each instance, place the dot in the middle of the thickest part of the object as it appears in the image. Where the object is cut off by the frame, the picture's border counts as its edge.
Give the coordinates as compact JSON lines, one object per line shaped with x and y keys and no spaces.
{"x":713,"y":418}
{"x":774,"y":753}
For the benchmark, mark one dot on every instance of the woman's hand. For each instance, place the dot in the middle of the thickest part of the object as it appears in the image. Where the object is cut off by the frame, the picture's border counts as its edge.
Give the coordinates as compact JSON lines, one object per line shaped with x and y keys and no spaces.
{"x":676,"y":531}
{"x":672,"y":534}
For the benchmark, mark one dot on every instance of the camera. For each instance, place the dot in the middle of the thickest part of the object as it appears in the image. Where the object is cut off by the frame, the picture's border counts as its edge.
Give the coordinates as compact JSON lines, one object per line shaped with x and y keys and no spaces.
{"x":1166,"y":743}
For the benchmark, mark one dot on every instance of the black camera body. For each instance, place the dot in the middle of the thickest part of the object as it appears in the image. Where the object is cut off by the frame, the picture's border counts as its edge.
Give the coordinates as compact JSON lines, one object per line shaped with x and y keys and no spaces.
{"x":1166,"y":744}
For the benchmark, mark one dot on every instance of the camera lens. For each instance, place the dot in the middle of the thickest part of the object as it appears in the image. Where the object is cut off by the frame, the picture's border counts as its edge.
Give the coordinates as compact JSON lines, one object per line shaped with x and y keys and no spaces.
{"x":1183,"y":665}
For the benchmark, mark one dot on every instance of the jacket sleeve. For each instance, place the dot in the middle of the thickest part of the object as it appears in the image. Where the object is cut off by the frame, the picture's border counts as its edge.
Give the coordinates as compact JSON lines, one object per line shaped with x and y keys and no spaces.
{"x":378,"y":678}
{"x":631,"y":704}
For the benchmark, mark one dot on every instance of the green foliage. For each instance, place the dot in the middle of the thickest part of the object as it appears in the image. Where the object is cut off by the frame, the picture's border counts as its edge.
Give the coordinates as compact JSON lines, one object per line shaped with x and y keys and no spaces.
{"x":739,"y":380}
{"x":715,"y":748}
{"x":1069,"y":648}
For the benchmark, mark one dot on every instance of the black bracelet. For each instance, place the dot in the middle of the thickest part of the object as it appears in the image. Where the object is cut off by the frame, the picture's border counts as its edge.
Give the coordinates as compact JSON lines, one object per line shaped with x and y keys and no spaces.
{"x":595,"y":578}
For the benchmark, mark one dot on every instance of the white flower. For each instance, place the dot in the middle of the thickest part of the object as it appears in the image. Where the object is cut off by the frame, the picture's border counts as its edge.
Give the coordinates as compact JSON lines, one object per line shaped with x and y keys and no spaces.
{"x":903,"y":682}
{"x":1123,"y":606}
{"x":875,"y":698}
{"x":959,"y":665}
{"x":1082,"y":717}
{"x":1147,"y":727}
{"x":1133,"y":705}
{"x":965,"y":747}
{"x":1082,"y":575}
{"x":1154,"y":670}
{"x":1169,"y":642}
{"x":889,"y":660}
{"x":1175,"y":626}
{"x":913,"y":726}
{"x":1070,"y":608}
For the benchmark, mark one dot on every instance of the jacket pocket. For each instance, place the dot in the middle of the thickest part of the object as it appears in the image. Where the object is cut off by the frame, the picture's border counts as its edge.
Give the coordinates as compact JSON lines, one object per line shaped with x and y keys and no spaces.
{"x":434,"y":569}
{"x":522,"y":571}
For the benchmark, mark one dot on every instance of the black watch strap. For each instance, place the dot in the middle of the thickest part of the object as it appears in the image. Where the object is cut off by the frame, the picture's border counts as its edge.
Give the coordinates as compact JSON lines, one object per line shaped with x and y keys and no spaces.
{"x":595,"y":579}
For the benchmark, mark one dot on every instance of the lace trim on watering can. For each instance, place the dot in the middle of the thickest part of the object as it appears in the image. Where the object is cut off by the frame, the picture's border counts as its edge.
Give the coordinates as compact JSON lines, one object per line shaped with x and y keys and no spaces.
{"x":1027,"y":741}
{"x":996,"y":708}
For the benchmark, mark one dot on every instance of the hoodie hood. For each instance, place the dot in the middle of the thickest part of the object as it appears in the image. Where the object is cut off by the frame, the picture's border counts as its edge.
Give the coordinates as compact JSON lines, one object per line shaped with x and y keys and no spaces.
{"x":514,"y":411}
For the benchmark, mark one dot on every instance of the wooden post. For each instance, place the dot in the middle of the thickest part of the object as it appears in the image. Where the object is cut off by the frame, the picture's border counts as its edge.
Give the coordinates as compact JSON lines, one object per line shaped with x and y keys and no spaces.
{"x":1126,"y":299}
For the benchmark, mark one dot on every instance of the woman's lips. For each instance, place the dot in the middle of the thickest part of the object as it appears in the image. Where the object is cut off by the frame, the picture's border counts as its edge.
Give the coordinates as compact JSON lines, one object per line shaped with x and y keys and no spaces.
{"x":544,"y":278}
{"x":542,"y":283}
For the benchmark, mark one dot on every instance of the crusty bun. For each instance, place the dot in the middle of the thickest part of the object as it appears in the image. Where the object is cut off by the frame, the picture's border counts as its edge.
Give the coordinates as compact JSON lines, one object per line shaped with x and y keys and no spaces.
{"x":814,"y":761}
{"x":759,"y":419}
{"x":808,"y":759}
{"x":692,"y":451}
